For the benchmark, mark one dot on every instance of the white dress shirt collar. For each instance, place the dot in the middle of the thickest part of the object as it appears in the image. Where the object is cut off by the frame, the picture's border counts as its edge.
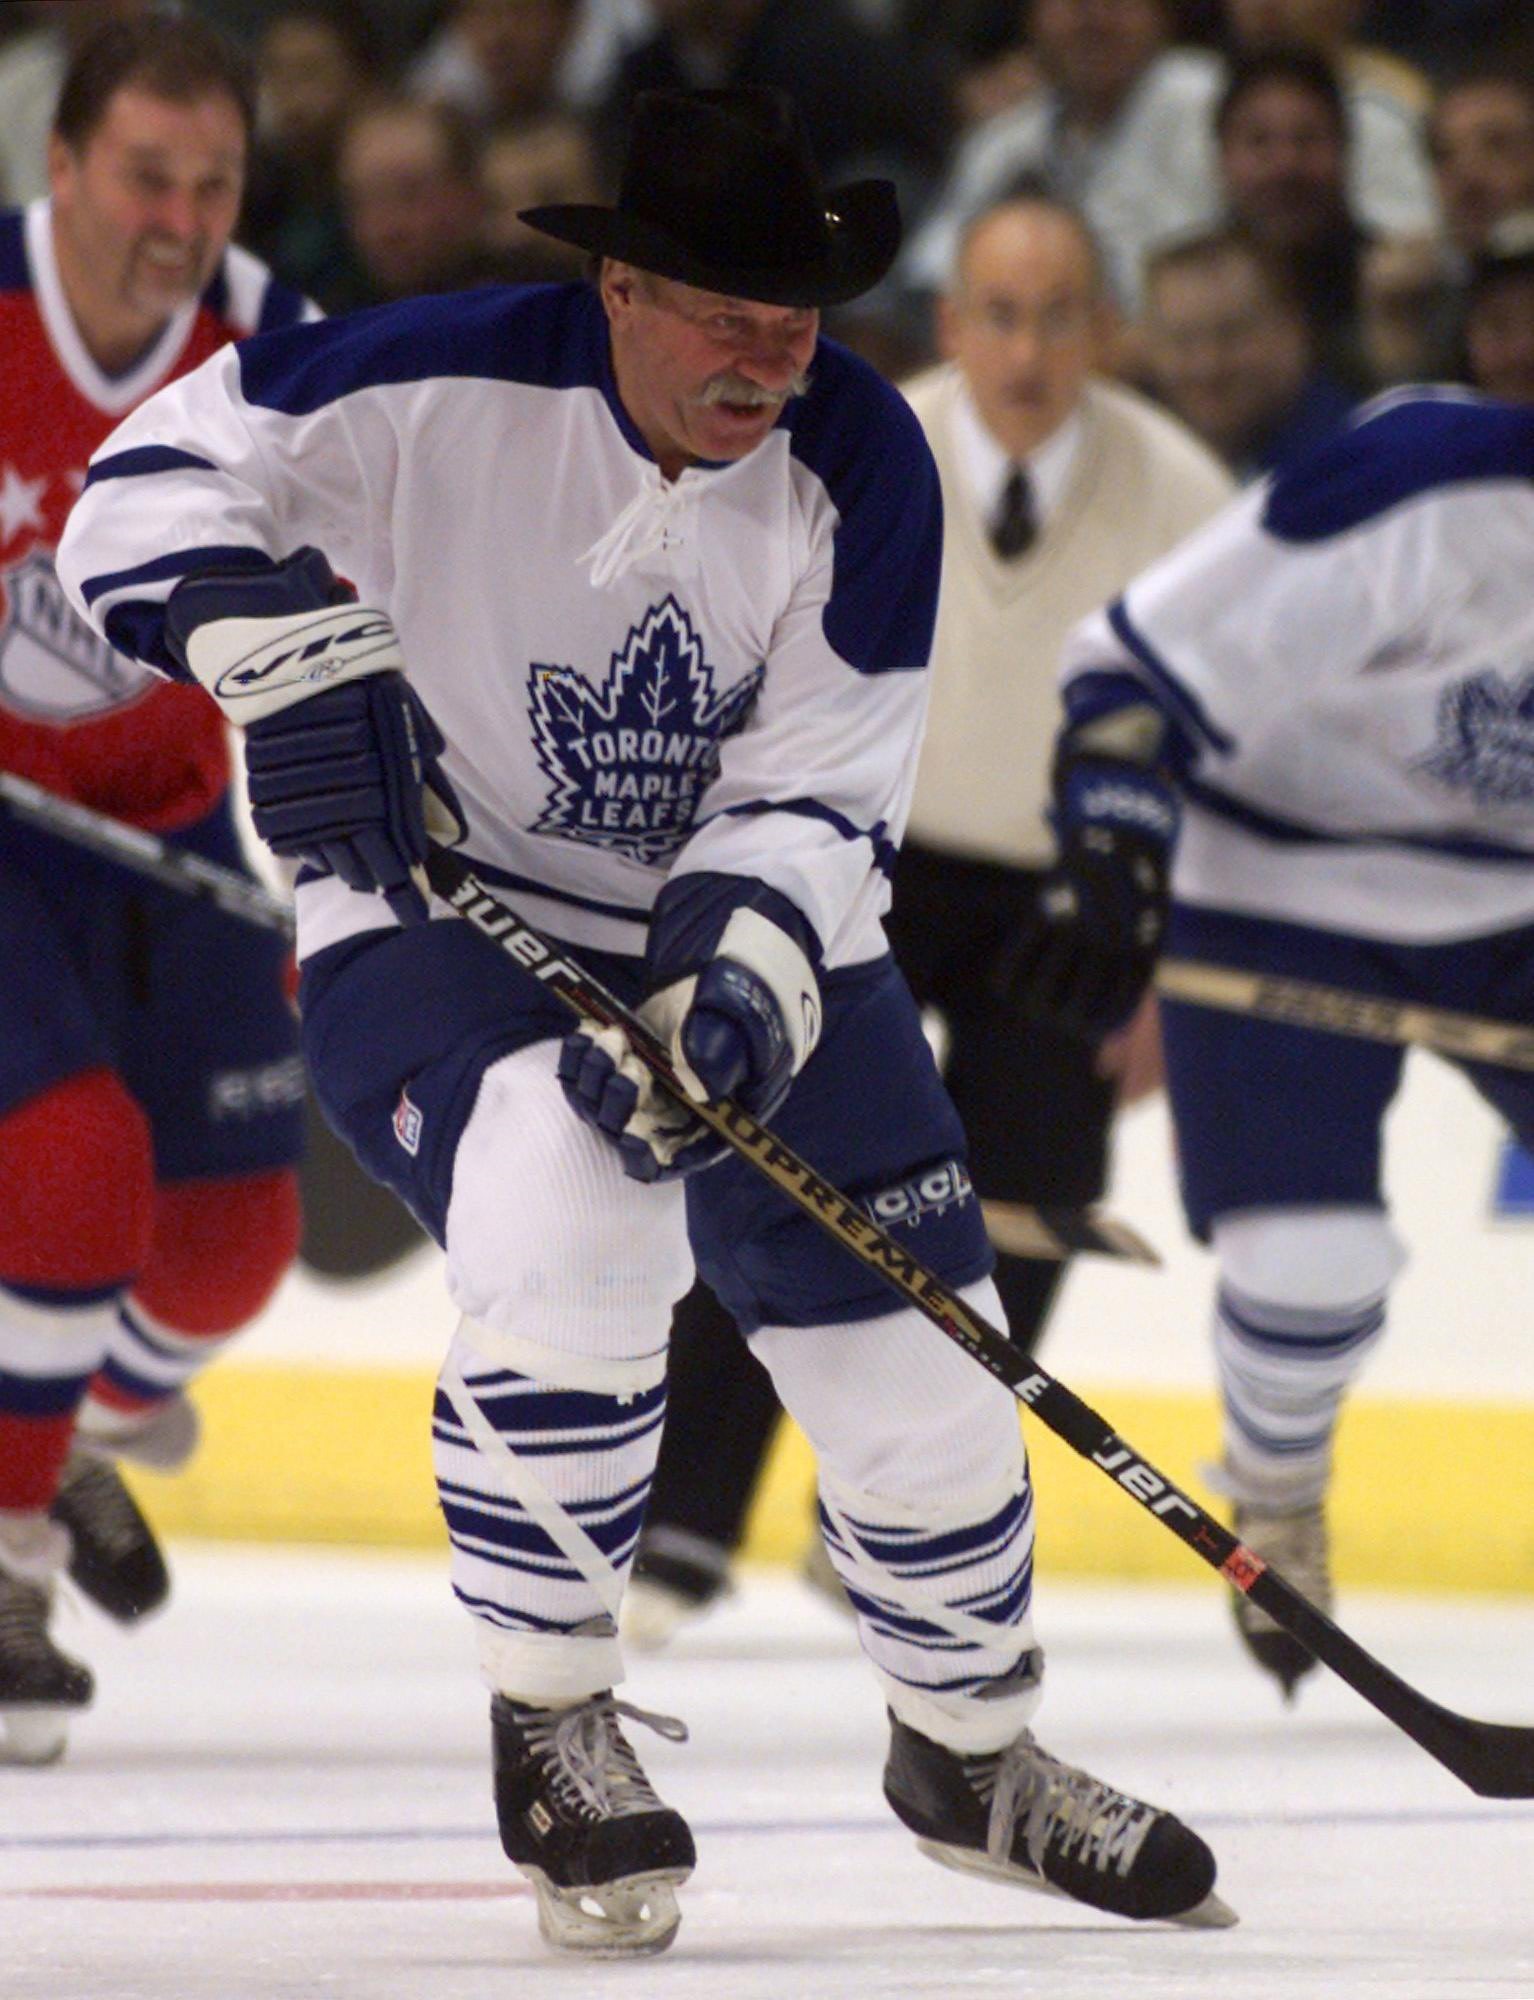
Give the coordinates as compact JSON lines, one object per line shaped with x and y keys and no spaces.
{"x":985,"y":466}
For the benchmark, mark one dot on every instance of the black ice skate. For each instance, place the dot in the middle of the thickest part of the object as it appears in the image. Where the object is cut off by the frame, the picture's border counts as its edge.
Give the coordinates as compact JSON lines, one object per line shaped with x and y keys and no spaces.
{"x":580,"y":1819}
{"x":1295,"y":1543}
{"x":1020,"y":1816}
{"x":116,"y":1561}
{"x":40,"y":1687}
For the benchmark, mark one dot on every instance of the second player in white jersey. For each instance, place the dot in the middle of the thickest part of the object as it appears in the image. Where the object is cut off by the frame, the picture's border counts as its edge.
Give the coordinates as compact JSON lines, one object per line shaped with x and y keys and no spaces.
{"x":1337,"y":677}
{"x":1350,"y":656}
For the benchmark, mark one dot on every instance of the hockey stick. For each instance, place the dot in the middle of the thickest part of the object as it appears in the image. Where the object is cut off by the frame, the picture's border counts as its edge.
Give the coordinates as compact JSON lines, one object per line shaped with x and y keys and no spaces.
{"x":1051,"y":1235}
{"x":1494,"y":1759}
{"x":146,"y":854}
{"x":1299,"y":1003}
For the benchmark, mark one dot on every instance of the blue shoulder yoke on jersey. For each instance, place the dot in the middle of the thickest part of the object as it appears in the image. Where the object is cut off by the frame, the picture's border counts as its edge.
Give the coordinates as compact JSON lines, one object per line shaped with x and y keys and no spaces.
{"x":1397,"y":452}
{"x":549,"y":335}
{"x":861,"y":439}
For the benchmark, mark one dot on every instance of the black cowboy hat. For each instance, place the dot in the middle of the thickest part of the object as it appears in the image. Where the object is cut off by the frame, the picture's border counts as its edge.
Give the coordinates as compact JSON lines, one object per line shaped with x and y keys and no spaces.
{"x":720,"y":190}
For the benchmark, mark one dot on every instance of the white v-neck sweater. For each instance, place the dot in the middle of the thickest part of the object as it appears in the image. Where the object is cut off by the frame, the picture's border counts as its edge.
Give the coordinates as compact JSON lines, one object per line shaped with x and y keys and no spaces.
{"x":1140,"y":483}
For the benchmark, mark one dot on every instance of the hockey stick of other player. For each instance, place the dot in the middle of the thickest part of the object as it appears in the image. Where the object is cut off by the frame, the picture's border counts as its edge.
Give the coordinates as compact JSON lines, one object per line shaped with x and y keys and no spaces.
{"x":1494,"y":1759}
{"x":146,"y":854}
{"x":1050,"y":1235}
{"x":1470,"y":1037}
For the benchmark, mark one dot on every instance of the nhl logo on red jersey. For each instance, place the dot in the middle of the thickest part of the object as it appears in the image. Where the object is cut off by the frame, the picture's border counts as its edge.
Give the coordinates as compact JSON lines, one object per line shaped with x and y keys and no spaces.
{"x":408,"y":1120}
{"x":53,"y":667}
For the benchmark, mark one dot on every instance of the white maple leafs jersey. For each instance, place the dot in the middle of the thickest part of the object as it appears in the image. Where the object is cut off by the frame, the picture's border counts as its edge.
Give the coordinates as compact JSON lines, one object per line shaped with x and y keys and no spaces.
{"x":1350,"y":649}
{"x":636,"y":679}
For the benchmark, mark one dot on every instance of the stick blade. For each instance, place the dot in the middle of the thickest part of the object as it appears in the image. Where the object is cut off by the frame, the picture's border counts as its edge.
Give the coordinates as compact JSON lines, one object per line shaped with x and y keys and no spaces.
{"x":1495,"y":1759}
{"x":1051,"y":1235}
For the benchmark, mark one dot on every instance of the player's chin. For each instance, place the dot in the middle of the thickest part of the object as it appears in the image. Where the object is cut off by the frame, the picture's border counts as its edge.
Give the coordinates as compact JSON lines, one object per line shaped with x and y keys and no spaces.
{"x":167,"y":287}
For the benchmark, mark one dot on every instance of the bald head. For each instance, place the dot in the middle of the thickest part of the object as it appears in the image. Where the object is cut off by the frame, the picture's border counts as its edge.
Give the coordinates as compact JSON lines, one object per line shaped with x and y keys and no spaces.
{"x":1025,"y":318}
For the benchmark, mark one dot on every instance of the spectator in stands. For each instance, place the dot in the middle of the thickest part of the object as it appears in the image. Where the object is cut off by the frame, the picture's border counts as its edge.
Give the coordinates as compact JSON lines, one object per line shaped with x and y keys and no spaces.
{"x":1283,"y":139}
{"x":1499,"y":311}
{"x":1390,"y":183}
{"x":410,"y":188}
{"x":316,"y":61}
{"x":1407,"y":309}
{"x":1230,"y":350}
{"x":1121,"y":127}
{"x":500,"y":59}
{"x":551,"y":159}
{"x":1481,"y":137}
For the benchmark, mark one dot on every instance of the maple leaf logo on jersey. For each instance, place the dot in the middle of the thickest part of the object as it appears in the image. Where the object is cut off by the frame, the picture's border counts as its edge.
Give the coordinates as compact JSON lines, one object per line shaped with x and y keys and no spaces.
{"x":631,"y":758}
{"x":1486,"y":739}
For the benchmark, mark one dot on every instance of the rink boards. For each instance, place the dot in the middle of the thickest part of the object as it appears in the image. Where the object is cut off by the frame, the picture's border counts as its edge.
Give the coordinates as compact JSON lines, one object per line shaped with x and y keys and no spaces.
{"x":1430,"y":1495}
{"x":317,"y":1424}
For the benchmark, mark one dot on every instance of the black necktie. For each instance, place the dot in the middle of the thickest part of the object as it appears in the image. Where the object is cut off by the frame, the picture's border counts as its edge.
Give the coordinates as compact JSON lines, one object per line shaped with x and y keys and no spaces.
{"x":1016,"y":525}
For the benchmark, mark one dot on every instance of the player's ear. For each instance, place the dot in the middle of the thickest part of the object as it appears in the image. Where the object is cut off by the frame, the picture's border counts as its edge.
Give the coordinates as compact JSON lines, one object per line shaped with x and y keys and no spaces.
{"x":619,"y":285}
{"x":62,"y":163}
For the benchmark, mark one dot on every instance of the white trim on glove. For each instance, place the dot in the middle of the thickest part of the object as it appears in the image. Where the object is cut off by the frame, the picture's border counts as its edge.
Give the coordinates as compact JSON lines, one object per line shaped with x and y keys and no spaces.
{"x":255,"y":667}
{"x":769,"y":954}
{"x":766,"y":949}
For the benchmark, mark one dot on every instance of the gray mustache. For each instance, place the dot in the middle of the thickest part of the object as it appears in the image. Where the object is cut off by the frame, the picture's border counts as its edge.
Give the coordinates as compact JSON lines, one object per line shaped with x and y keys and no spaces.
{"x":735,"y":389}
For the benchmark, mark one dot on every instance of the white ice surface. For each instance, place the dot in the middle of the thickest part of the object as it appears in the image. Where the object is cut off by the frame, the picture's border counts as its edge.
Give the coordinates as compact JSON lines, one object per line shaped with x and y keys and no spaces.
{"x":283,"y":1791}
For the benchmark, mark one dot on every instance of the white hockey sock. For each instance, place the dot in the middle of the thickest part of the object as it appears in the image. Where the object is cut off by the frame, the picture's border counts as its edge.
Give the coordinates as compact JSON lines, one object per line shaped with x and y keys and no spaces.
{"x":928,"y":1513}
{"x":147,"y":1362}
{"x":943,"y":1601}
{"x":48,"y":1353}
{"x":1284,"y":1371}
{"x":543,"y":1471}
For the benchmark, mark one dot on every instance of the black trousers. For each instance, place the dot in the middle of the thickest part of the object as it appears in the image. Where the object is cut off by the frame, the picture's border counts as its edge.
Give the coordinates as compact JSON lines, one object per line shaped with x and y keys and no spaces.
{"x":1036,"y":1115}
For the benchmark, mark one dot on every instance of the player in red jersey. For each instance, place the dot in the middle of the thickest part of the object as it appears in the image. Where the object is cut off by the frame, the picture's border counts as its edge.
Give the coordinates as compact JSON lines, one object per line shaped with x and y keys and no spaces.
{"x":148,"y":1203}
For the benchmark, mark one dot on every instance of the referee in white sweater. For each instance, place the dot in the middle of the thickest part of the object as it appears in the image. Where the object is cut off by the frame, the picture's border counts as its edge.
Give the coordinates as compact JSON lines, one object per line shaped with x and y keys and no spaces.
{"x":1058,"y":487}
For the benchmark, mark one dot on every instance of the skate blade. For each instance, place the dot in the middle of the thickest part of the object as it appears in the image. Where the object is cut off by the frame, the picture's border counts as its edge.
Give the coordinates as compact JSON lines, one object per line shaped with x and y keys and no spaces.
{"x":33,"y":1735}
{"x":634,"y":1917}
{"x":1211,"y":1914}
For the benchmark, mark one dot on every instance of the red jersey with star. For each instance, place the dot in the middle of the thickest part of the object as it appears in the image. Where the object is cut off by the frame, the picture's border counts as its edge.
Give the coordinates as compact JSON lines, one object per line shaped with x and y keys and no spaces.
{"x":75,"y":715}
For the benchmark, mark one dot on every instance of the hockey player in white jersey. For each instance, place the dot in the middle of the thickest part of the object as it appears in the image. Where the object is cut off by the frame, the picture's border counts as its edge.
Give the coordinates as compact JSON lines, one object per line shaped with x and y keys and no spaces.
{"x":642,"y":578}
{"x":1336,"y":681}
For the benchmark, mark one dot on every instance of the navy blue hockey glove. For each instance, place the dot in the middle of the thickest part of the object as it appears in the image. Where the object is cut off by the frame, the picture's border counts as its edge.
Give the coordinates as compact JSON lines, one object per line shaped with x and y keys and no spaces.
{"x":742,"y":1028}
{"x":341,"y":756}
{"x":1085,"y":952}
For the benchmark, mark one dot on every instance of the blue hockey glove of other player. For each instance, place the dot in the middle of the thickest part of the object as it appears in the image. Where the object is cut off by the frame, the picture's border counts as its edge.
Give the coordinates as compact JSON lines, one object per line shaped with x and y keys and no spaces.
{"x":1086,"y":950}
{"x":341,"y":756}
{"x":743,"y":1028}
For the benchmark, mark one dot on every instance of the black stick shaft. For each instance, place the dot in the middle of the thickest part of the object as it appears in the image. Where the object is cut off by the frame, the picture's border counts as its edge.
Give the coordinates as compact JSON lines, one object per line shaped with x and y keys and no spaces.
{"x":1495,"y":1760}
{"x":145,"y":854}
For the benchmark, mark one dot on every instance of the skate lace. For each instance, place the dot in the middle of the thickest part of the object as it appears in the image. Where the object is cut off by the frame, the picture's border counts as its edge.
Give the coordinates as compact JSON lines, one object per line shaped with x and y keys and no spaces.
{"x":590,"y":1762}
{"x":96,"y":1493}
{"x":1061,"y":1807}
{"x":24,"y":1607}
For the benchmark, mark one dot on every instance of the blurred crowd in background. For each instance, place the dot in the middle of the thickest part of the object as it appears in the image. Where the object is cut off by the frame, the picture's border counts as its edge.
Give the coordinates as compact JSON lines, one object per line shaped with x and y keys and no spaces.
{"x":1297,"y":203}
